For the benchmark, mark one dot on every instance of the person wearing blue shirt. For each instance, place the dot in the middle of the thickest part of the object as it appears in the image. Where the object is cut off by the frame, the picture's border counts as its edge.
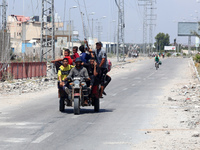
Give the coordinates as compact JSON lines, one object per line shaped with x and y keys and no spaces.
{"x":84,"y":56}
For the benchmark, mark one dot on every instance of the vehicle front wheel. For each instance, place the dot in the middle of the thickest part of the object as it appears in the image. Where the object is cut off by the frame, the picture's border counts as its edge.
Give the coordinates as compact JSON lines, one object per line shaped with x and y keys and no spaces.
{"x":76,"y":106}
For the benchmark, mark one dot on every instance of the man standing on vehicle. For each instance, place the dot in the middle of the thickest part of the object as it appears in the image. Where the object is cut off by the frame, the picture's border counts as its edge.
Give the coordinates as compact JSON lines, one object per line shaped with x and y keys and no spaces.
{"x":101,"y":58}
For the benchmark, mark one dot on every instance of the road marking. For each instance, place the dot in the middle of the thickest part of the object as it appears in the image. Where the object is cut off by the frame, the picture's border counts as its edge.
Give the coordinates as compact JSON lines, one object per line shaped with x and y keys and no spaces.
{"x":125,"y":89}
{"x":24,"y":127}
{"x":151,"y":75}
{"x":117,"y":143}
{"x":102,"y":102}
{"x":15,"y":140}
{"x":75,"y":116}
{"x":18,"y":123}
{"x":4,"y":117}
{"x":43,"y":137}
{"x":114,"y":94}
{"x":133,"y":85}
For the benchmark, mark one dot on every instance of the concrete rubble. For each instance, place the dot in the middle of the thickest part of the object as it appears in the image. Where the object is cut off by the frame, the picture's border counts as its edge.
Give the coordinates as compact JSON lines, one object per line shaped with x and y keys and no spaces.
{"x":26,"y":85}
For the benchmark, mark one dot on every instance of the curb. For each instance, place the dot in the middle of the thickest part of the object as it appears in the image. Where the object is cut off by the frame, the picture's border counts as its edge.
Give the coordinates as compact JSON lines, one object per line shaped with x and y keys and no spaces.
{"x":197,"y":74}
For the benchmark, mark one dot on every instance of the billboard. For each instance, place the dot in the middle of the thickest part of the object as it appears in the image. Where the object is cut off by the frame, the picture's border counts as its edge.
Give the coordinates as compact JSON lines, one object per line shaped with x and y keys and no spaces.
{"x":188,"y":28}
{"x":170,"y":48}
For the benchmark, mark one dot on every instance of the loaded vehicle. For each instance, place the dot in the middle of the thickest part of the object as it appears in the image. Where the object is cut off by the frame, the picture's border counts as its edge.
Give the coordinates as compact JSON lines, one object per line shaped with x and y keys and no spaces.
{"x":78,"y":94}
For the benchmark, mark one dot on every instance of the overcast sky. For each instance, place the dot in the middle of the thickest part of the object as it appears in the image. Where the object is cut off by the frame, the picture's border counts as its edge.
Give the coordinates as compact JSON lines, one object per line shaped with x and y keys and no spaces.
{"x":169,"y":13}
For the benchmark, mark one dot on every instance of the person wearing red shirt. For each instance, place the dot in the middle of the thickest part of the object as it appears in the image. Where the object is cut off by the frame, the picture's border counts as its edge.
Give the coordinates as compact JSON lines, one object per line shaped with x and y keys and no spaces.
{"x":58,"y":61}
{"x":75,"y":54}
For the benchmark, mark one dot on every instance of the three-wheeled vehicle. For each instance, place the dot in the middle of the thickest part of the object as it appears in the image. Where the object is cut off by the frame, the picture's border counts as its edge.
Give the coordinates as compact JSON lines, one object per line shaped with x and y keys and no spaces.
{"x":78,"y":94}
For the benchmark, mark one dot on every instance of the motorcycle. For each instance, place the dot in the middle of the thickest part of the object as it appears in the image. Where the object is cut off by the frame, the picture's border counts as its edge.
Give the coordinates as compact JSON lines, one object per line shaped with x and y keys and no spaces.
{"x":157,"y":65}
{"x":78,"y":94}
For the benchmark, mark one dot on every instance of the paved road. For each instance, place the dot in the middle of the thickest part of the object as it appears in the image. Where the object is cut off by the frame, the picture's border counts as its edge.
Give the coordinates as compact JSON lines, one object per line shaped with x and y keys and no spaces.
{"x":127,"y":109}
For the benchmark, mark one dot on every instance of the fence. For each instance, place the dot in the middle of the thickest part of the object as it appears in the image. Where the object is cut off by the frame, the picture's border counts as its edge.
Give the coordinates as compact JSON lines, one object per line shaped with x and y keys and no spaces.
{"x":23,"y":70}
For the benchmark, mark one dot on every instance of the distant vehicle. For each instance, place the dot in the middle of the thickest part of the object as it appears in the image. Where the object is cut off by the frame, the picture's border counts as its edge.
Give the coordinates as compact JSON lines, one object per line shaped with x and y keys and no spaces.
{"x":157,"y":65}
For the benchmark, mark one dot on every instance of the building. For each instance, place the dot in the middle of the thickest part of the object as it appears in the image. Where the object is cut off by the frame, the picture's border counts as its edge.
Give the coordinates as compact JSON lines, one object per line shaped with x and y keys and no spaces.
{"x":25,"y":33}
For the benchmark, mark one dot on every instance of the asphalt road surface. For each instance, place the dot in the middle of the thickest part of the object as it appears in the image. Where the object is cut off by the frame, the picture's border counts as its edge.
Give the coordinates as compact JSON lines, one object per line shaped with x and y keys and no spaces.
{"x":125,"y":111}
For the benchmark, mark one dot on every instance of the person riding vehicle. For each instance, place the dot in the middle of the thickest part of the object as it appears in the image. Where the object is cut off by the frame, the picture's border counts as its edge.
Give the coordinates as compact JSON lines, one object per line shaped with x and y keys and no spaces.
{"x":79,"y":71}
{"x":75,"y":54}
{"x":157,"y":59}
{"x":58,"y":61}
{"x":101,"y":58}
{"x":84,"y":56}
{"x":63,"y":72}
{"x":92,"y":69}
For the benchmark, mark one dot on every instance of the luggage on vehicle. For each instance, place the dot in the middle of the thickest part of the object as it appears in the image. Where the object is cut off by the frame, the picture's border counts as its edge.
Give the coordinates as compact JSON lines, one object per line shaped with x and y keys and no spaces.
{"x":109,"y":65}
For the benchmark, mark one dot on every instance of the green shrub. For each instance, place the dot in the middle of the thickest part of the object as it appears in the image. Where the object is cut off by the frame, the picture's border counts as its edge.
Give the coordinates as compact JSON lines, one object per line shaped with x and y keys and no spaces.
{"x":168,"y":54}
{"x":197,"y":58}
{"x":184,"y":54}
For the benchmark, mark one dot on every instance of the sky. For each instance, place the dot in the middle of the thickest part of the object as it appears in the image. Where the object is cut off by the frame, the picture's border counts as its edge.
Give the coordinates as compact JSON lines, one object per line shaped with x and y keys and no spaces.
{"x":168,"y":12}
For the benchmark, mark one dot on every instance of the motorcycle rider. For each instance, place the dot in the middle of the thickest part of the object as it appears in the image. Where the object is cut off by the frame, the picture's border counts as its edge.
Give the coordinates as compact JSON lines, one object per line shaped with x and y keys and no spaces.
{"x":157,"y":59}
{"x":79,"y":71}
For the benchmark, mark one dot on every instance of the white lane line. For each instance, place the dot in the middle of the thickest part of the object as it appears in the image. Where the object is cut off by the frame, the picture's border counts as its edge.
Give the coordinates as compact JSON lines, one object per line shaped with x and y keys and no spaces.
{"x":75,"y":116}
{"x":43,"y":137}
{"x":4,"y":117}
{"x":133,"y":85}
{"x":150,"y":75}
{"x":24,"y":127}
{"x":102,"y":102}
{"x":164,"y":78}
{"x":15,"y":140}
{"x":18,"y":123}
{"x":114,"y":94}
{"x":125,"y":89}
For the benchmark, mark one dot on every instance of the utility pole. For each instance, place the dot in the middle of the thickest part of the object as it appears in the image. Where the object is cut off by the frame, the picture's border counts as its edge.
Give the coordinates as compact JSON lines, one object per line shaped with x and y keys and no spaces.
{"x":4,"y":9}
{"x":145,"y":3}
{"x":121,"y":27}
{"x":47,"y":25}
{"x":152,"y":17}
{"x":4,"y":48}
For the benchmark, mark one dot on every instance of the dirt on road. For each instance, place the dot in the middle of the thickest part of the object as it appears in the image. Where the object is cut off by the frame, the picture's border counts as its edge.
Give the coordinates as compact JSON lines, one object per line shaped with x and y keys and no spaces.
{"x":177,"y":126}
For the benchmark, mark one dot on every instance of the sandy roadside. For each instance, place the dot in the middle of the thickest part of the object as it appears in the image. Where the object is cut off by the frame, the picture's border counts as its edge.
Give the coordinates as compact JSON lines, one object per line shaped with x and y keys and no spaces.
{"x":177,"y":126}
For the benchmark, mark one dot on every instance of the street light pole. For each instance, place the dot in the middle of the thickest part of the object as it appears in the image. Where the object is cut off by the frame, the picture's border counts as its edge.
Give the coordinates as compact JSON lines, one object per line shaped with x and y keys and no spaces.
{"x":70,"y":25}
{"x":99,"y":28}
